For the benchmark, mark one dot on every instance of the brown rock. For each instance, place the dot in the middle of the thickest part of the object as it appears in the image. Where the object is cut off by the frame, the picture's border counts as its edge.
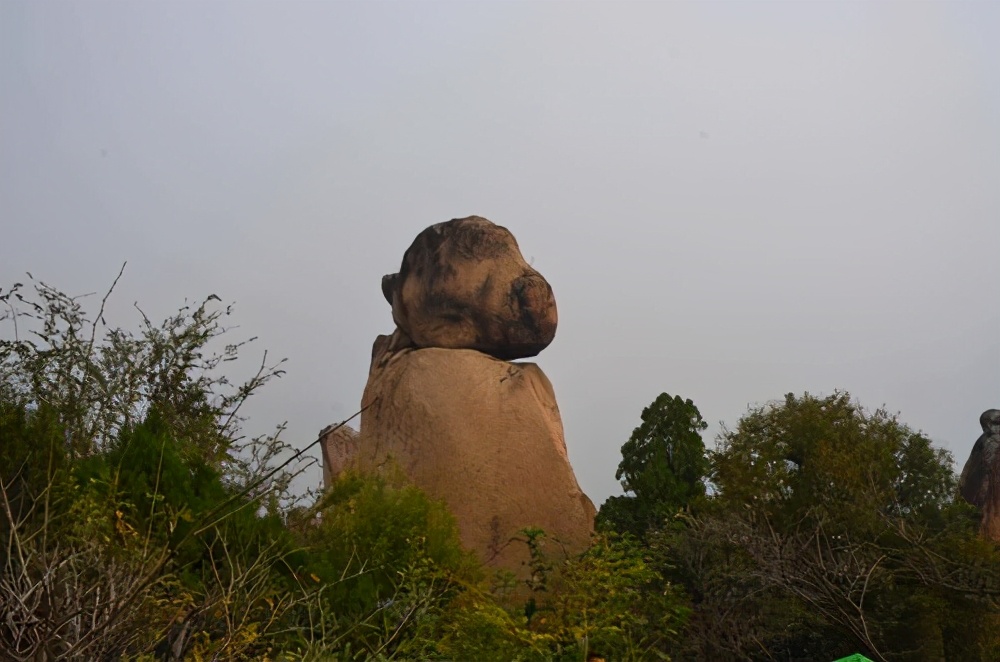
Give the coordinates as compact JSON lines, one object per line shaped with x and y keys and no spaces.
{"x":980,"y":481}
{"x":463,"y":284}
{"x":466,"y":426}
{"x":485,"y":436}
{"x":339,"y":444}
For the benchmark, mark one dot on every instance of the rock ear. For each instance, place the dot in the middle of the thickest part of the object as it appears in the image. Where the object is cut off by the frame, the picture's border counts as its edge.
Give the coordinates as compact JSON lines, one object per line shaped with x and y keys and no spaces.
{"x":390,"y":282}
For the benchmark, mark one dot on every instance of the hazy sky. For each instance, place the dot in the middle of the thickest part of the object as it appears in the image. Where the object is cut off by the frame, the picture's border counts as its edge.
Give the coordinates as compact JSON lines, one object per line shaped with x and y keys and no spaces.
{"x":731,"y":201}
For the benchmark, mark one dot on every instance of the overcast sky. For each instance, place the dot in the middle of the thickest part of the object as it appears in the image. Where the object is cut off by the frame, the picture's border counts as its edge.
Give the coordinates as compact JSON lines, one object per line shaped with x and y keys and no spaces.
{"x":731,"y":201}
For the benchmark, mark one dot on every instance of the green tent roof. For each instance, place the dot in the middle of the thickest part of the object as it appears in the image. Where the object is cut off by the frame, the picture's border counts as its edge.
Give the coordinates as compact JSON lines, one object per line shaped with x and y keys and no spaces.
{"x":857,"y":657}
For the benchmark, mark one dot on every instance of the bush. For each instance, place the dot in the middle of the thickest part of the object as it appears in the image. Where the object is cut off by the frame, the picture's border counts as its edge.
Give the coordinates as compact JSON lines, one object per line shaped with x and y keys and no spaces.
{"x":129,"y":525}
{"x":388,"y":561}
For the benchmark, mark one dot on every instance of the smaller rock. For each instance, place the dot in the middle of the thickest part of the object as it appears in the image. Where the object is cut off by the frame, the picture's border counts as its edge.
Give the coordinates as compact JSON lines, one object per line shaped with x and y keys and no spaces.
{"x":339,"y":446}
{"x":980,"y":481}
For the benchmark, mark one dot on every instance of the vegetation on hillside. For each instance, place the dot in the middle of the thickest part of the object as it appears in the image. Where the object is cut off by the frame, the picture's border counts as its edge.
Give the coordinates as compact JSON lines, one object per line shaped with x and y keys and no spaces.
{"x":827,"y":529}
{"x":138,"y":522}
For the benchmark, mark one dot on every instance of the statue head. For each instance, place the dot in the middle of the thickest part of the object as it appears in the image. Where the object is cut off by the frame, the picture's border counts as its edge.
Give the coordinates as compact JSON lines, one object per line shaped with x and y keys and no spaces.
{"x":990,"y":420}
{"x":463,"y":284}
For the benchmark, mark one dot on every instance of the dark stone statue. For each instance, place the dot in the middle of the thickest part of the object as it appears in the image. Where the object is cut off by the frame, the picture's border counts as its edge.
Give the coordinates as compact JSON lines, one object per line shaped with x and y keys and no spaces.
{"x":980,"y":481}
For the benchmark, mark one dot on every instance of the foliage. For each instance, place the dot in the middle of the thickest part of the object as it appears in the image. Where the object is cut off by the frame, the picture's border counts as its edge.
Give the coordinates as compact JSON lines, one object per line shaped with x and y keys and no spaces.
{"x":480,"y":628}
{"x":831,"y":511}
{"x":125,"y":527}
{"x":389,"y":560}
{"x":608,"y":601}
{"x":613,"y":601}
{"x":662,"y":470}
{"x":138,"y":522}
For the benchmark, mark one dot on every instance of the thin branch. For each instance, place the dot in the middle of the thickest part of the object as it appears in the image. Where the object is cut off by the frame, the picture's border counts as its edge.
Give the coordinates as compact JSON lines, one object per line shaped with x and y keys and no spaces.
{"x":100,"y":313}
{"x":254,"y":485}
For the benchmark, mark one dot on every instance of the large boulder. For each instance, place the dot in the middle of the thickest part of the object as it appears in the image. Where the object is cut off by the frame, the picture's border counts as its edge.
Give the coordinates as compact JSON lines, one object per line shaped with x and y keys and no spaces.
{"x":485,"y":436}
{"x":980,"y":481}
{"x":464,"y":284}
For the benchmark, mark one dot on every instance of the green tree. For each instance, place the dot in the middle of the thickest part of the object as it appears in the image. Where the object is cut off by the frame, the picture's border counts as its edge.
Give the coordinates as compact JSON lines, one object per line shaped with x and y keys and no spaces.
{"x":130,"y":501}
{"x":614,"y":602}
{"x":388,"y":560}
{"x":609,"y":601}
{"x":828,"y":510}
{"x":662,"y":470}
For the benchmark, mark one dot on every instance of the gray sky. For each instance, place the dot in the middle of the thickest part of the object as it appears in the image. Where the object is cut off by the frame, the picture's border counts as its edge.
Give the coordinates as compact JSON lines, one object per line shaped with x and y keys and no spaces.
{"x":731,"y":201}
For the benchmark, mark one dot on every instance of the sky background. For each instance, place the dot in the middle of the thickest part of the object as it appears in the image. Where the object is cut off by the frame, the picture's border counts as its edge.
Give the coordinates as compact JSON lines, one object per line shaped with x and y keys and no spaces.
{"x":732,"y":201}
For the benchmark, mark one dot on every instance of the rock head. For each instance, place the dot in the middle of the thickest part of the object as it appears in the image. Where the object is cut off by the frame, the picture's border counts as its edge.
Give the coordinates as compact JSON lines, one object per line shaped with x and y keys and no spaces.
{"x":980,"y":480}
{"x":464,"y":284}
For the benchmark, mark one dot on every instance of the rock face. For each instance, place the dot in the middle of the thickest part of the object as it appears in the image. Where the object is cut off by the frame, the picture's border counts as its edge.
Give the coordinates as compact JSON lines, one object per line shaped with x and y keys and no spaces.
{"x":444,"y":403}
{"x":980,"y":481}
{"x":463,"y":284}
{"x":485,"y":436}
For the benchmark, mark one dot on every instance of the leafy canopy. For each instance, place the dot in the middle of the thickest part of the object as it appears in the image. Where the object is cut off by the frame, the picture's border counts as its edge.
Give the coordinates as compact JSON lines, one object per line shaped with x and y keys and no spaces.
{"x":662,"y":469}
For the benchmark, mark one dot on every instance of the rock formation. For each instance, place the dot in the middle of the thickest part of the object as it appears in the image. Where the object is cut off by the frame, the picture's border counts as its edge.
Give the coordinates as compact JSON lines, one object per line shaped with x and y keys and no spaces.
{"x":339,"y":445}
{"x":444,"y":403}
{"x":980,"y":481}
{"x":464,"y":285}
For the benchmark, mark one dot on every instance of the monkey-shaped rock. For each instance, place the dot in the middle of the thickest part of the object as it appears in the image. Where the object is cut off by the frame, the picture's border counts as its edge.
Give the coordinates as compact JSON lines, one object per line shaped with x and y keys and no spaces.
{"x":464,"y":284}
{"x":444,"y":404}
{"x":980,"y":481}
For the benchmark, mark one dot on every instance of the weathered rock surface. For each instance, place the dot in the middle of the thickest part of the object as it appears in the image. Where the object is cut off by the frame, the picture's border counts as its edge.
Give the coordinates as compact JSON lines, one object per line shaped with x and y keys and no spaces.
{"x":464,"y":284}
{"x":980,"y":481}
{"x":444,"y":404}
{"x":339,"y":445}
{"x":485,"y":436}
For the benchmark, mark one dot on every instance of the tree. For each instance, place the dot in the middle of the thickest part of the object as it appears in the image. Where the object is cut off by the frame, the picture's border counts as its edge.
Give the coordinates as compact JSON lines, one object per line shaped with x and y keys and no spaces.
{"x":608,"y":602}
{"x":130,"y":501}
{"x":850,"y":515}
{"x":614,"y":602}
{"x":388,"y":560}
{"x":662,"y":470}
